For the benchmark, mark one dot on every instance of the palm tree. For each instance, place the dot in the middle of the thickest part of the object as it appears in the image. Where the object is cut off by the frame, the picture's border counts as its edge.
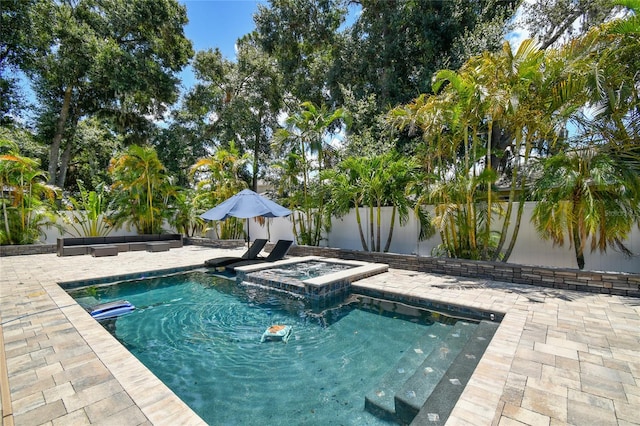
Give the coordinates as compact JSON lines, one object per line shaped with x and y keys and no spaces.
{"x":308,"y":132}
{"x":382,"y":180}
{"x":24,"y":196}
{"x":610,"y":62}
{"x":526,"y":118}
{"x":140,"y":187}
{"x":217,"y":178}
{"x":453,"y":122}
{"x":430,"y":115}
{"x":346,"y":190}
{"x":465,"y":102}
{"x":186,"y":218}
{"x":593,"y":192}
{"x":403,"y":174}
{"x":587,"y":195}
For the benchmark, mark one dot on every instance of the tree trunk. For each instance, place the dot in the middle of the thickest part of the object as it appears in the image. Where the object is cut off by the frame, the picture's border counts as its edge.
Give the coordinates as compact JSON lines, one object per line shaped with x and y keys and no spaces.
{"x":54,"y":152}
{"x":454,"y":238}
{"x":523,"y":187}
{"x":363,"y":240}
{"x":512,"y":196}
{"x":516,"y":229}
{"x":6,"y":222}
{"x":487,"y":240}
{"x":302,"y":223}
{"x":317,"y":233}
{"x":295,"y":226}
{"x":256,"y":151}
{"x":66,"y":155}
{"x":64,"y":164}
{"x":576,"y":227}
{"x":501,"y":140}
{"x":373,"y":241}
{"x":378,"y":220}
{"x":577,"y":244}
{"x":393,"y":221}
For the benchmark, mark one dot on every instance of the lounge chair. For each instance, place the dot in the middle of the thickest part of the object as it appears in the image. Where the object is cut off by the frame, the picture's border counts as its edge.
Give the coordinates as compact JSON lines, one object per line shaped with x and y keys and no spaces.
{"x":250,"y":254}
{"x":278,"y":253}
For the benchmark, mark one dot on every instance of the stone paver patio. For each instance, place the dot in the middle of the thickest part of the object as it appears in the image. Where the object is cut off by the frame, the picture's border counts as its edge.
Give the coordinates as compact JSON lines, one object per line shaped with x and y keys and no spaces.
{"x":558,"y":357}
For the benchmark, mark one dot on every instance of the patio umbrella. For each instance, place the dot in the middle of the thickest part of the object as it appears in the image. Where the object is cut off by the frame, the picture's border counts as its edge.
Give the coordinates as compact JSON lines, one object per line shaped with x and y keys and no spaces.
{"x":244,"y":205}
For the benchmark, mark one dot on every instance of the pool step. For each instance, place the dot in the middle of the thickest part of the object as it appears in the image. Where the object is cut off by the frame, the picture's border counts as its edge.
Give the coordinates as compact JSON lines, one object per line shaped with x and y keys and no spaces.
{"x":381,"y":400}
{"x":441,"y":399}
{"x":415,"y":391}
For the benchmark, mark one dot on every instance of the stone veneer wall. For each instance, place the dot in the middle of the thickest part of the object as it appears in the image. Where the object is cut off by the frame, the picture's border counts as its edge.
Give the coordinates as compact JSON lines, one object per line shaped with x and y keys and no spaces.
{"x":19,"y":250}
{"x":224,"y":244}
{"x":569,"y":279}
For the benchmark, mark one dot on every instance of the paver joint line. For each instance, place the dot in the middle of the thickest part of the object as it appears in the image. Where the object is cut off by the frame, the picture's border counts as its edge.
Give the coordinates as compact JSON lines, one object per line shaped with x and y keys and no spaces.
{"x":5,"y":394}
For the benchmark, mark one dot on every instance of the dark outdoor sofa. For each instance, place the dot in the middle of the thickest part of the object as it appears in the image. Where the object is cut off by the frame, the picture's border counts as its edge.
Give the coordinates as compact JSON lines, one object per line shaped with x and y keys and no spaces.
{"x":111,"y":246}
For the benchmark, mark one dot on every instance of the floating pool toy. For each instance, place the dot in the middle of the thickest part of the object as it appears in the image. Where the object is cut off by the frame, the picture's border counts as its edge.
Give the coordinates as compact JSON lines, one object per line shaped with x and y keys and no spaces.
{"x":277,"y":333}
{"x":111,"y":309}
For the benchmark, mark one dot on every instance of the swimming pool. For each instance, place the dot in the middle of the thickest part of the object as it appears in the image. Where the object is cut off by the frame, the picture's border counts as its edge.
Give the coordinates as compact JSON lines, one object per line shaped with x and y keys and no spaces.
{"x":321,"y":281}
{"x":201,"y":336}
{"x":312,"y":268}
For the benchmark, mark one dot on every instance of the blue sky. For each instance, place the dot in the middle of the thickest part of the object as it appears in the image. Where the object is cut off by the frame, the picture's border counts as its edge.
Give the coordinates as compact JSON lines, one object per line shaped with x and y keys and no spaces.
{"x":217,"y":23}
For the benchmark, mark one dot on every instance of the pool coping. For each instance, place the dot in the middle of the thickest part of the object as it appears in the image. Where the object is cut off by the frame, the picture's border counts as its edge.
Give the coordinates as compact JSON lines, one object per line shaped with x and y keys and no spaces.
{"x":130,"y":372}
{"x":360,"y":271}
{"x":154,"y":398}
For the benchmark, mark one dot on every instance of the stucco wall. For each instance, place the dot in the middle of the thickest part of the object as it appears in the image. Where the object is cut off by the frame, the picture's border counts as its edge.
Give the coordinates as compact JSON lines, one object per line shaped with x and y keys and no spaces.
{"x":529,"y":250}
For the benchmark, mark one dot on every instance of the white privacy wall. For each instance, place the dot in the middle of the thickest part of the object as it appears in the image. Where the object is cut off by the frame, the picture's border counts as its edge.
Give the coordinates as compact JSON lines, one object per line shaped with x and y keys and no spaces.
{"x":530,"y":249}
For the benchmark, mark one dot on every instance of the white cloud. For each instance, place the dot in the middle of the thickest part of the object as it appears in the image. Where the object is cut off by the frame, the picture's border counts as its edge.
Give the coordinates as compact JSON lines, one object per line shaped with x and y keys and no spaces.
{"x":520,"y":33}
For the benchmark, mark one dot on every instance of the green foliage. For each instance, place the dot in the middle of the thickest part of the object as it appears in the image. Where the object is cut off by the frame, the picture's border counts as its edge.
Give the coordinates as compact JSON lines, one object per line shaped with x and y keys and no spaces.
{"x":16,"y":46}
{"x":179,"y":146}
{"x":237,"y":102}
{"x":89,"y":215}
{"x":508,"y":88}
{"x":368,"y":133}
{"x":26,"y":142}
{"x":231,"y":229}
{"x":559,"y":20}
{"x":394,"y":47}
{"x":587,"y":195}
{"x":592,"y":192}
{"x":25,"y":199}
{"x":305,"y":141}
{"x":94,"y":144}
{"x":529,"y":95}
{"x":217,"y":178}
{"x":186,"y":219}
{"x":102,"y":69}
{"x":374,"y":182}
{"x":460,"y":217}
{"x":141,"y":189}
{"x":631,"y":24}
{"x":116,"y":59}
{"x":302,"y":36}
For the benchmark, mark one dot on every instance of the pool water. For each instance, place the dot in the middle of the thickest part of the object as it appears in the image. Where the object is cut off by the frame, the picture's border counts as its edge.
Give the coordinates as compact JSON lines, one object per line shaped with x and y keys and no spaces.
{"x":201,"y":336}
{"x":308,"y":269}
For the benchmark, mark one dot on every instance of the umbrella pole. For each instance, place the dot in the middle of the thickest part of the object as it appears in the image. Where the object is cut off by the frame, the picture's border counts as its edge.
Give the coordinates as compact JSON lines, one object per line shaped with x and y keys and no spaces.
{"x":248,"y":237}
